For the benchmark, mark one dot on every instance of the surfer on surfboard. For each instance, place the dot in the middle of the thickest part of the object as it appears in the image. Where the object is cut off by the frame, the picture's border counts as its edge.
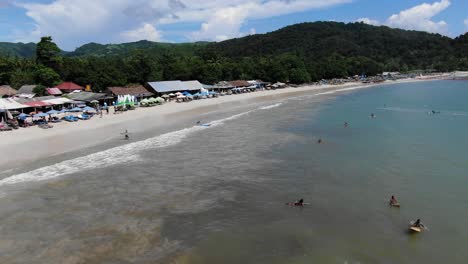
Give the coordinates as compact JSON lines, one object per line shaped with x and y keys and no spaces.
{"x":394,"y":202}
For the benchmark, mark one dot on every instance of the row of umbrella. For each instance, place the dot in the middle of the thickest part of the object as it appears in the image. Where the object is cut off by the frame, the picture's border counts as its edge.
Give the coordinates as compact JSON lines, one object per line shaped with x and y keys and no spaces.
{"x":55,"y":112}
{"x":153,"y":100}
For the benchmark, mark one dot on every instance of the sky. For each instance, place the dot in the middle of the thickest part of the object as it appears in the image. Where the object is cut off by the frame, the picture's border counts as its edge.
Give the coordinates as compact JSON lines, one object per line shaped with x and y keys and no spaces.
{"x":73,"y":23}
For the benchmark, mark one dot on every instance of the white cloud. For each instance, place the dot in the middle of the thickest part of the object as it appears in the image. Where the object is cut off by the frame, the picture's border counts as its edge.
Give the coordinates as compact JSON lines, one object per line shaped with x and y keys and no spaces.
{"x":466,"y":23}
{"x":368,"y":21}
{"x":420,"y":18}
{"x":226,"y":22}
{"x":145,"y":32}
{"x":416,"y":18}
{"x":73,"y":22}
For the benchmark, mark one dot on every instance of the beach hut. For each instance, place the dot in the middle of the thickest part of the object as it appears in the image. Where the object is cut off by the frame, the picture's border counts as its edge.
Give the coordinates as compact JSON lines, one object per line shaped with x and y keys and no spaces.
{"x":137,"y":91}
{"x":7,"y":91}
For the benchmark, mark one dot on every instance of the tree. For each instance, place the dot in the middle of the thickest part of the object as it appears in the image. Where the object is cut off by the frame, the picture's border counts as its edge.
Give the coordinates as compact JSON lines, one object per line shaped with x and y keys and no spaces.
{"x":47,"y":53}
{"x":46,"y":76}
{"x":39,"y":90}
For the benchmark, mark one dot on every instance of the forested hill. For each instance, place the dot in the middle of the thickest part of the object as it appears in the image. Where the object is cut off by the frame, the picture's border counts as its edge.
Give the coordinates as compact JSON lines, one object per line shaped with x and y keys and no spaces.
{"x":298,"y":54}
{"x":391,"y":48}
{"x":124,"y":49}
{"x":21,"y":50}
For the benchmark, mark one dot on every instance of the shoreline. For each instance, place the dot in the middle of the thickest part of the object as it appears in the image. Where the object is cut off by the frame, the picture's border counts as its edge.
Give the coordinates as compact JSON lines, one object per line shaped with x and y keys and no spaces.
{"x":33,"y":144}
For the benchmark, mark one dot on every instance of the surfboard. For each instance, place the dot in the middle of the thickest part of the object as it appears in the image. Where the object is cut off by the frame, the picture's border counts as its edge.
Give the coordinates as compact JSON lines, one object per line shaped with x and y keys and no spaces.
{"x":415,"y":229}
{"x":294,"y":205}
{"x":395,"y":205}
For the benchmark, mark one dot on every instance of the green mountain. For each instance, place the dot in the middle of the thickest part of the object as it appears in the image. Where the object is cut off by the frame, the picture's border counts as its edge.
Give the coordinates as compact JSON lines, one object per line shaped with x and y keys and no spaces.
{"x":319,"y":41}
{"x":23,"y":50}
{"x":124,"y":49}
{"x":298,"y":54}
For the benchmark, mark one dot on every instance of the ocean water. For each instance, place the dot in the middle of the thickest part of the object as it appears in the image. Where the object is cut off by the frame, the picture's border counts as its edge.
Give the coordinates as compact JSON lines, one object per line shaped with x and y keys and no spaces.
{"x":217,"y":194}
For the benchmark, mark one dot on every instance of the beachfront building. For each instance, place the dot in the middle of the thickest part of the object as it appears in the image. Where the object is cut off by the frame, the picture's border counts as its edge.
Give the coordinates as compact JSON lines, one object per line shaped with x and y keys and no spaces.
{"x":43,"y":103}
{"x":137,"y":91}
{"x":26,"y":91}
{"x":68,"y":87}
{"x":89,"y":97}
{"x":172,"y":87}
{"x":259,"y":84}
{"x":6,"y":91}
{"x":241,"y":86}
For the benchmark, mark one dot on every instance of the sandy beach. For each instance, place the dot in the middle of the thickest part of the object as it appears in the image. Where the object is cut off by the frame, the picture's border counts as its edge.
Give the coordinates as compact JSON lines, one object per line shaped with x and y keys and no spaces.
{"x":30,"y":144}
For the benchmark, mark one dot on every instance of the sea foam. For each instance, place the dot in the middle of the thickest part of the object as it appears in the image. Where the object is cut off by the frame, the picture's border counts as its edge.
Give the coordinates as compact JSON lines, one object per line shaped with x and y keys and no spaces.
{"x":117,"y":155}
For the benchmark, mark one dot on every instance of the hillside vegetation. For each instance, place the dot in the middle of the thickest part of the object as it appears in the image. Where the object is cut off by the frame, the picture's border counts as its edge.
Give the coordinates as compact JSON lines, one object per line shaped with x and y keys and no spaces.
{"x":298,"y":53}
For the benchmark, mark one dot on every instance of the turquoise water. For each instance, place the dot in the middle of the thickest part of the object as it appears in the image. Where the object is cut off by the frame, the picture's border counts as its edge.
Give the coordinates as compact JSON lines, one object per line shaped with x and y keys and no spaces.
{"x":348,"y":181}
{"x":217,"y":194}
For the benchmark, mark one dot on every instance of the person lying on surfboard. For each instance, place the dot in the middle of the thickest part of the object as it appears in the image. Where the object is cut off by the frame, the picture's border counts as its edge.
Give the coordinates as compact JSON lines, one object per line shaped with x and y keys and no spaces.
{"x":299,"y":203}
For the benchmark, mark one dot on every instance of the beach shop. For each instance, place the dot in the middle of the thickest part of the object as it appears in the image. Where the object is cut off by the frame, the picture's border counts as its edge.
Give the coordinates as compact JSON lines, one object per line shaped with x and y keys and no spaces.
{"x":138,"y":92}
{"x":172,"y":89}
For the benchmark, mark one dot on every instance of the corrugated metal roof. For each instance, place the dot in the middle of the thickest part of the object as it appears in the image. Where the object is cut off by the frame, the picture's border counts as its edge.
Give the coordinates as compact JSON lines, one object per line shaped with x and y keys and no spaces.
{"x":192,"y":85}
{"x":86,"y":96}
{"x":9,"y":104}
{"x":167,"y":86}
{"x":58,"y":101}
{"x":27,"y":89}
{"x":54,"y":91}
{"x":37,"y":104}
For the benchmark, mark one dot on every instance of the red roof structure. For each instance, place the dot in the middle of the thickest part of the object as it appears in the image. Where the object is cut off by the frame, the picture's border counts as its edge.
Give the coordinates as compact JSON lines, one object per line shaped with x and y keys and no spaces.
{"x":37,"y":104}
{"x":53,"y":91}
{"x":69,"y":86}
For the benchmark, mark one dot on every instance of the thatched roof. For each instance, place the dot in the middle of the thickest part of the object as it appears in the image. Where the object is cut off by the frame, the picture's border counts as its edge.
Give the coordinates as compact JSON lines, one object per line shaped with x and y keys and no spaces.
{"x":6,"y":90}
{"x":240,"y":83}
{"x":138,"y":91}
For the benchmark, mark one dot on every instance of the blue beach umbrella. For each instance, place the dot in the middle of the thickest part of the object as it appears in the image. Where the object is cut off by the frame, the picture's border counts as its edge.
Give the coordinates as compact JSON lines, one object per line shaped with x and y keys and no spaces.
{"x":88,"y":109}
{"x":41,"y":115}
{"x":23,"y":115}
{"x":53,"y":112}
{"x":76,"y":109}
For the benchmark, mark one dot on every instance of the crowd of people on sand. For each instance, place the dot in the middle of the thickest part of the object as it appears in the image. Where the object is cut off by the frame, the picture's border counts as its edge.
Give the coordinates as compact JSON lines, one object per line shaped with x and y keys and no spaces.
{"x":415,"y":226}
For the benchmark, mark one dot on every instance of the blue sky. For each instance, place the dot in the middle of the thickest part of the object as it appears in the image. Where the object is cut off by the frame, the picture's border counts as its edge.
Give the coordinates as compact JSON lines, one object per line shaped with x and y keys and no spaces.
{"x":75,"y":22}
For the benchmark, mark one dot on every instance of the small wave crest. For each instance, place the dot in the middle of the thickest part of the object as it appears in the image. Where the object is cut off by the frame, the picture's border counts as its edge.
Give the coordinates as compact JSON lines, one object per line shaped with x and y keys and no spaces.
{"x":270,"y":106}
